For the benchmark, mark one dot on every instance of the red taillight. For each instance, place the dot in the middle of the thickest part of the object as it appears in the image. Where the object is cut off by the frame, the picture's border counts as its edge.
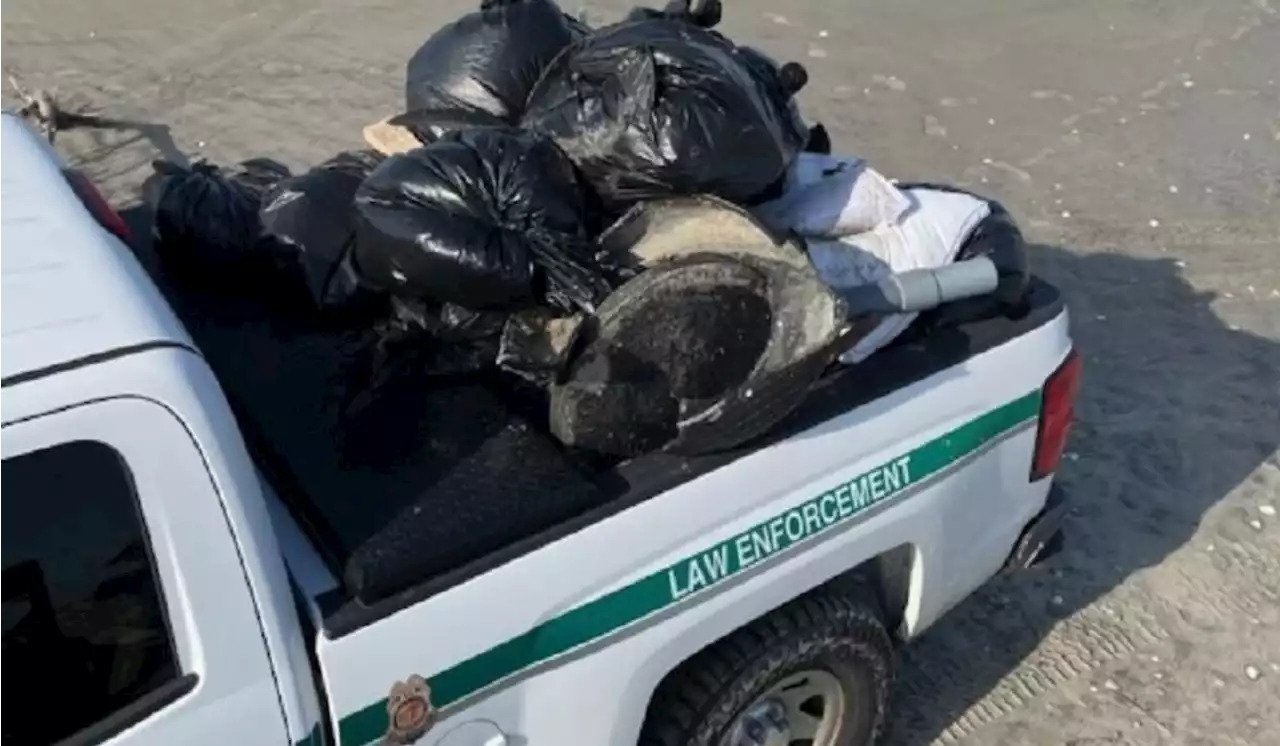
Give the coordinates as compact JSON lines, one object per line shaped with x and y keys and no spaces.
{"x":98,"y":206}
{"x":1057,"y":411}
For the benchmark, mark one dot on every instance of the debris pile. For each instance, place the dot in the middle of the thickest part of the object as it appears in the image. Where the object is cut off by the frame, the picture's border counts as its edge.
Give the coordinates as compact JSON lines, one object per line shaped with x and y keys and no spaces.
{"x":635,"y":219}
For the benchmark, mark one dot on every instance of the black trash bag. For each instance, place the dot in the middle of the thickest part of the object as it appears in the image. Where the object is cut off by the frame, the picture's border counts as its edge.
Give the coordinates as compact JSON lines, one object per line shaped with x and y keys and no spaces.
{"x":419,"y":339}
{"x":819,"y":140}
{"x":704,"y":13}
{"x":448,"y":322}
{"x":651,"y":109}
{"x":578,"y":25}
{"x":206,"y":218}
{"x":489,"y":59}
{"x":488,"y":219}
{"x":536,"y":344}
{"x":776,"y":82}
{"x":442,"y":115}
{"x":259,"y":175}
{"x":999,"y":238}
{"x":446,"y":339}
{"x":779,"y":83}
{"x":312,"y":217}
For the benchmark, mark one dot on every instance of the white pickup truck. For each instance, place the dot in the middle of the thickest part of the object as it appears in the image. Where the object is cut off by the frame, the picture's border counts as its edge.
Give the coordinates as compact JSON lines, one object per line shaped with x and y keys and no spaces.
{"x":194,"y":553}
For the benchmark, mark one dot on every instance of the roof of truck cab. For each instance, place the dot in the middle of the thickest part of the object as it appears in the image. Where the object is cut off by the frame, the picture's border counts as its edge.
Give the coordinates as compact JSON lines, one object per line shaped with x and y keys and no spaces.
{"x":71,"y":292}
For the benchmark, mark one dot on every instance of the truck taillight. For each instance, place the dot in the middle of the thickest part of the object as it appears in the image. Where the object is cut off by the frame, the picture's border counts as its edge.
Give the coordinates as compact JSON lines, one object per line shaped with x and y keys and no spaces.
{"x":1057,"y":412}
{"x":97,"y":205}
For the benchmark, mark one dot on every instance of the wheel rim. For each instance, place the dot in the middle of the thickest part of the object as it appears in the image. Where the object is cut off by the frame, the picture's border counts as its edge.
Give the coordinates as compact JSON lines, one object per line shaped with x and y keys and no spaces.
{"x":807,"y":708}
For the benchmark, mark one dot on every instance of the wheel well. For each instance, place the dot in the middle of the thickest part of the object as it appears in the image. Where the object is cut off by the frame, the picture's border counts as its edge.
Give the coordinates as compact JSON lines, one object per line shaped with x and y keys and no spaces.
{"x":885,"y":578}
{"x":890,"y":575}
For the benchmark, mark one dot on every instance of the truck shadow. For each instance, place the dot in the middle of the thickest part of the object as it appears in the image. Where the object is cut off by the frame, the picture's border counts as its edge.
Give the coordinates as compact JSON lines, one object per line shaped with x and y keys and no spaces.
{"x":1177,"y":410}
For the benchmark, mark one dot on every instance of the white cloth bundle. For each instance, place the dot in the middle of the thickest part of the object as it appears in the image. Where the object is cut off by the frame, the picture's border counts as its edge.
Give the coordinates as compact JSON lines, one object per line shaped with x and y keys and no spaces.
{"x":860,"y":228}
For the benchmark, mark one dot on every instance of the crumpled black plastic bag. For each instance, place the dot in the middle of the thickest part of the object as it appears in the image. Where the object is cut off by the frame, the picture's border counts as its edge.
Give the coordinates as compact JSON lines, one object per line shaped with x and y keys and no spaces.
{"x":536,"y":345}
{"x":447,"y":339}
{"x":778,"y":83}
{"x":439,"y":115}
{"x":488,"y":219}
{"x":819,"y":140}
{"x":417,"y":339}
{"x":490,"y":59}
{"x":312,"y":217}
{"x":704,"y":13}
{"x":206,"y":218}
{"x":578,"y":26}
{"x":657,"y":108}
{"x":258,"y":175}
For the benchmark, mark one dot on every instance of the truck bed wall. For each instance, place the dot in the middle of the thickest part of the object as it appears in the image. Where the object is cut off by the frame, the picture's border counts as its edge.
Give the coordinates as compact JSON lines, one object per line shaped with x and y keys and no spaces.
{"x":606,"y":612}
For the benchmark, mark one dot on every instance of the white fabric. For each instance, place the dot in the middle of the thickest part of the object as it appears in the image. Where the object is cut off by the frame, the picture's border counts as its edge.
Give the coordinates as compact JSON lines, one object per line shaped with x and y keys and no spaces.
{"x":861,"y":228}
{"x":830,"y":196}
{"x":929,"y":235}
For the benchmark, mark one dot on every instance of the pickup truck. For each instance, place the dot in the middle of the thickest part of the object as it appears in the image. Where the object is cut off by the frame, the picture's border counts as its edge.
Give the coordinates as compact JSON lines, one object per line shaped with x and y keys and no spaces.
{"x":198,"y":551}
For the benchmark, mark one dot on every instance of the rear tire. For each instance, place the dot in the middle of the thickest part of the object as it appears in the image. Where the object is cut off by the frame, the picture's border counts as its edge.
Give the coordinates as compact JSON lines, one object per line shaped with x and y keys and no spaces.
{"x":716,"y":697}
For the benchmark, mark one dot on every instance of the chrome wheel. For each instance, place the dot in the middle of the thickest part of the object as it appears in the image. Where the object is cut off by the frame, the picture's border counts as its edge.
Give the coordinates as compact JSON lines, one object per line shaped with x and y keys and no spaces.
{"x":806,"y":708}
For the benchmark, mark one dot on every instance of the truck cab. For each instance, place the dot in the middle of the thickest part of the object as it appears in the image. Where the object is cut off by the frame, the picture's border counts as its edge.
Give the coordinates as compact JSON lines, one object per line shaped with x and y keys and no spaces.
{"x":146,"y":590}
{"x":175,"y":571}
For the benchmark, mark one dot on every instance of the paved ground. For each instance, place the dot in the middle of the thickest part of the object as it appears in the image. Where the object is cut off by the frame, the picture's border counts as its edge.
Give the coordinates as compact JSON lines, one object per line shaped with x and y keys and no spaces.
{"x":1140,"y":143}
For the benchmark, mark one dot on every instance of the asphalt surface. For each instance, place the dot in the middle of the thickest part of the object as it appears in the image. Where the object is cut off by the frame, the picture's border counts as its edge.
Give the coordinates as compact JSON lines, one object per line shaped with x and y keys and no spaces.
{"x":1139,"y":144}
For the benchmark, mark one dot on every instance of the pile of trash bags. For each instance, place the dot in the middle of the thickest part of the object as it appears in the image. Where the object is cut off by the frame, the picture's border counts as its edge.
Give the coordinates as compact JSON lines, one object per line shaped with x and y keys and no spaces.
{"x":481,"y":248}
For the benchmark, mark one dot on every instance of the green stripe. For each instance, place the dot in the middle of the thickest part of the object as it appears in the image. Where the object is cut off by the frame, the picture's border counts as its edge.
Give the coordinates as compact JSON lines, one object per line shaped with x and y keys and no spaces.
{"x":645,"y":597}
{"x":312,"y":738}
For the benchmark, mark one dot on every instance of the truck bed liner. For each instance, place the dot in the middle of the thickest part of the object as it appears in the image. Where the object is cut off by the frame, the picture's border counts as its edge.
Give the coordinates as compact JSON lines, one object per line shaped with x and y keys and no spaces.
{"x":437,"y":482}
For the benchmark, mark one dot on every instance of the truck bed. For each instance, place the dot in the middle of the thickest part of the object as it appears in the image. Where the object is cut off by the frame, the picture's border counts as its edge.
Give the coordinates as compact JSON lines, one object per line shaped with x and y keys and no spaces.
{"x":434,"y":481}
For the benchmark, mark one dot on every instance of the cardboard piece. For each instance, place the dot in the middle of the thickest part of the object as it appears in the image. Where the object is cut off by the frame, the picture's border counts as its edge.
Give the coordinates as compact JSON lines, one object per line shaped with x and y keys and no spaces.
{"x":389,"y":139}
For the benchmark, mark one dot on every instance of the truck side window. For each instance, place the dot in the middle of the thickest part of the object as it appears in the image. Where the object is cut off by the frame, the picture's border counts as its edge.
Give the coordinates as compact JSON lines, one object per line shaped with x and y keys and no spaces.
{"x":84,"y":627}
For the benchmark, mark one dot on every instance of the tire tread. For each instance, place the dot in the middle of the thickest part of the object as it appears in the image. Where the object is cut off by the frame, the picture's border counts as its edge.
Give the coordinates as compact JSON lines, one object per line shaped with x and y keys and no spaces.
{"x":692,"y":700}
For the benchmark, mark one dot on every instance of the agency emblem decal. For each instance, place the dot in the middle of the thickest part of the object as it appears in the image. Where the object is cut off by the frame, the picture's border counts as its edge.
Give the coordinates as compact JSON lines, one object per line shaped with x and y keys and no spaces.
{"x":409,"y":711}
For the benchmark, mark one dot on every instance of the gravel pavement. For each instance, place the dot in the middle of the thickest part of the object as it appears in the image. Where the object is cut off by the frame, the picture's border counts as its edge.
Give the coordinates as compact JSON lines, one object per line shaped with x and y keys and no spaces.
{"x":1138,"y":142}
